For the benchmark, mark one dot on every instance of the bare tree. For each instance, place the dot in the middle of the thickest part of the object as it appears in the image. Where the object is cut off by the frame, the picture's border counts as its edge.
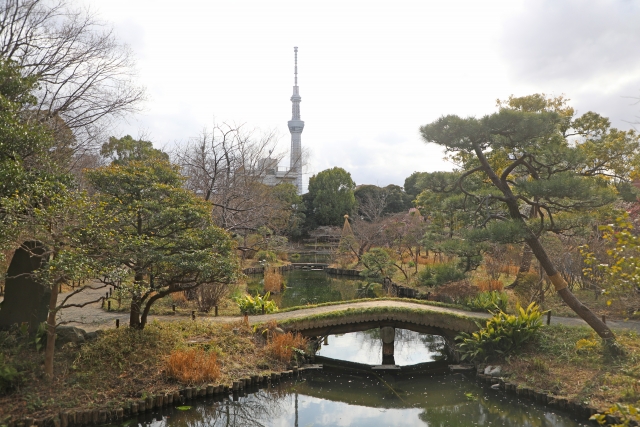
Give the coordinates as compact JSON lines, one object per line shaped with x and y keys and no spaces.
{"x":233,"y":169}
{"x":85,"y":74}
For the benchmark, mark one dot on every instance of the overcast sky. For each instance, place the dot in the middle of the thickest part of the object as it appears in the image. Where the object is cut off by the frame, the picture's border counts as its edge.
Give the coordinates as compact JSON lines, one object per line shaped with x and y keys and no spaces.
{"x":370,"y":72}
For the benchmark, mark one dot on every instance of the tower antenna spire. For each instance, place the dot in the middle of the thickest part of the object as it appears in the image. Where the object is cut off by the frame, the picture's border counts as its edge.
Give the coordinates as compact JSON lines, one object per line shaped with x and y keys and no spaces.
{"x":295,"y":68}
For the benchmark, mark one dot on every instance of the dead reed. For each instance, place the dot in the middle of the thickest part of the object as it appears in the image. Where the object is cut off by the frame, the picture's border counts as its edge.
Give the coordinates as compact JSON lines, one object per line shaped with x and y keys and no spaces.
{"x":193,"y":366}
{"x":272,"y":280}
{"x":281,"y":347}
{"x":489,"y":285}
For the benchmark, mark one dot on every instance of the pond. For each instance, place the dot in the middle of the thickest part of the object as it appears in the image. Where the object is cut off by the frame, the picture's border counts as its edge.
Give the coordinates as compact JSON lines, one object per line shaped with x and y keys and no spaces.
{"x":365,"y":347}
{"x":314,"y":287}
{"x":341,"y":399}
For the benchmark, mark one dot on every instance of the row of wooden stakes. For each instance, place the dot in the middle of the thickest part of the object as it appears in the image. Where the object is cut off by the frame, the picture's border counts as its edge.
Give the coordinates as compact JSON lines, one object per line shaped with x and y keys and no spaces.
{"x":91,"y":417}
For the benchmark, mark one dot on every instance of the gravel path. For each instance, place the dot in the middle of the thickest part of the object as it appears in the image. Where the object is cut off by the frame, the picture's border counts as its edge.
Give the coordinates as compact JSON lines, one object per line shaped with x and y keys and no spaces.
{"x":93,"y":317}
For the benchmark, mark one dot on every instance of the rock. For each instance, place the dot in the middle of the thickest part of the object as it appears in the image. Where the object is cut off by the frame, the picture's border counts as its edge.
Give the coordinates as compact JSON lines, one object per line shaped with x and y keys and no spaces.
{"x":278,"y":331}
{"x":65,"y":334}
{"x":493,"y":371}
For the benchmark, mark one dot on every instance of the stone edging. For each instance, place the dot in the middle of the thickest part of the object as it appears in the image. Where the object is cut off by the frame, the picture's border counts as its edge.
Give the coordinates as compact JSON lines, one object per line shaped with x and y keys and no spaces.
{"x":578,"y":409}
{"x":133,"y":408}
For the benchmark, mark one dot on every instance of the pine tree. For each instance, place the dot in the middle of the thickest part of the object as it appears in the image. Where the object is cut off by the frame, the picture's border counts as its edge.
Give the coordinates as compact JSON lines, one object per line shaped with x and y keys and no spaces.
{"x":546,"y":171}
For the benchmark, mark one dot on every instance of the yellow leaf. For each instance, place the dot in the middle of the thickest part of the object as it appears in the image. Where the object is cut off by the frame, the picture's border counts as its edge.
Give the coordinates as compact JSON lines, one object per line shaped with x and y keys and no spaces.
{"x":609,"y":302}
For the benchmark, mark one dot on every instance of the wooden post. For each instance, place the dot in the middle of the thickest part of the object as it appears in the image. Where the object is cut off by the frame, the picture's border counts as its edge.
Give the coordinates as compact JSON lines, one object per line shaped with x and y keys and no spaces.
{"x":549,"y":317}
{"x":109,"y":305}
{"x":173,"y":306}
{"x":246,"y":317}
{"x":216,"y":310}
{"x":117,"y":323}
{"x":262,"y":308}
{"x":193,"y":315}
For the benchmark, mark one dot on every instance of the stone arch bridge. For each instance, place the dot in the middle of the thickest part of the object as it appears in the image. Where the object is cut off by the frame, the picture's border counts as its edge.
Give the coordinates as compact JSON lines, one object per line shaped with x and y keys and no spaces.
{"x":387,"y":315}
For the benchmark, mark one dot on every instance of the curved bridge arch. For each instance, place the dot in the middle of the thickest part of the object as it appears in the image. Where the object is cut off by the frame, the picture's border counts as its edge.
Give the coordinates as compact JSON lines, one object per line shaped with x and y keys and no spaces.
{"x":415,"y":317}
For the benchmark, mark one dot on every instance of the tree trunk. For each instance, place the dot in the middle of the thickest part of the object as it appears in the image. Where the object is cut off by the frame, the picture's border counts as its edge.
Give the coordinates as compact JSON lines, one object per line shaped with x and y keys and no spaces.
{"x":134,"y":315}
{"x":525,"y":265}
{"x":541,"y":255}
{"x":51,"y":333}
{"x":567,"y":296}
{"x":147,"y":307}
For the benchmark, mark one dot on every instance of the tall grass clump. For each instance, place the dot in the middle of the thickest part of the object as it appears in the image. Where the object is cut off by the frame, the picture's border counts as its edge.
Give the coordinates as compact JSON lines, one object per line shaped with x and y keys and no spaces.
{"x":253,"y":305}
{"x":488,"y":301}
{"x":503,"y":334}
{"x":489,"y":285}
{"x":193,"y":366}
{"x":272,"y":280}
{"x":282,"y":347}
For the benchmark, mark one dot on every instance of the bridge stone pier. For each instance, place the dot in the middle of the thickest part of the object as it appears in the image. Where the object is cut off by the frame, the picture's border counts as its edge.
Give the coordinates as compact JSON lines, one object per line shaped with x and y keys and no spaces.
{"x":388,"y":336}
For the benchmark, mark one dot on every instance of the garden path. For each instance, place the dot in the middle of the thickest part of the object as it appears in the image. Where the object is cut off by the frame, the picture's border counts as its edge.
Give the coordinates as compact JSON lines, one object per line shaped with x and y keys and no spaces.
{"x":93,"y":316}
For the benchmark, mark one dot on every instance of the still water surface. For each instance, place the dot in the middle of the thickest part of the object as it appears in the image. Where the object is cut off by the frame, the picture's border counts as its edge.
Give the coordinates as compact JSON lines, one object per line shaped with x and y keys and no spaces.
{"x":323,"y":399}
{"x":366,"y":347}
{"x":350,"y":399}
{"x":314,"y":287}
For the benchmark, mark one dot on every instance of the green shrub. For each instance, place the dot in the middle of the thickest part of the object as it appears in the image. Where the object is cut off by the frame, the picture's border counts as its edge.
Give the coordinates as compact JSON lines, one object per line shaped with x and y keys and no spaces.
{"x":253,"y":305}
{"x":439,"y":274}
{"x":503,"y":334}
{"x":268,"y":256}
{"x":492,"y":301}
{"x":294,"y":257}
{"x":9,"y":376}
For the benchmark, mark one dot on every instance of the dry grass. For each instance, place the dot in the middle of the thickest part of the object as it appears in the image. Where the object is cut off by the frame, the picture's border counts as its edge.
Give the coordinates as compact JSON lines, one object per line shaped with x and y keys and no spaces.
{"x":281,"y":347}
{"x":489,"y":285}
{"x":178,"y":297}
{"x":125,"y":364}
{"x":510,"y":269}
{"x":193,"y":366}
{"x":424,"y":260}
{"x":560,"y":363}
{"x":272,"y":281}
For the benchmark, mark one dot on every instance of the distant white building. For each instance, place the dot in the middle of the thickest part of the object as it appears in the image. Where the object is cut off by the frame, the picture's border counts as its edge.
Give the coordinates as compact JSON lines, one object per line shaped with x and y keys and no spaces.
{"x":293,"y":175}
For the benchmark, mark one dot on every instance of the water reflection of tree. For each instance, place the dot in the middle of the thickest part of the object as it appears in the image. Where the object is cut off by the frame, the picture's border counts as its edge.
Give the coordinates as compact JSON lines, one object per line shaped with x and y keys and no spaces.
{"x":254,"y":410}
{"x":490,"y":412}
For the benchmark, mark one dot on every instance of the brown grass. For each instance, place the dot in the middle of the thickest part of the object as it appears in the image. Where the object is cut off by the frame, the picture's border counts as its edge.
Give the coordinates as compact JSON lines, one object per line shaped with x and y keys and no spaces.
{"x":193,"y":366}
{"x":489,"y":285}
{"x":511,"y":269}
{"x":280,"y":347}
{"x":272,"y":281}
{"x":423,"y":260}
{"x":179,"y":297}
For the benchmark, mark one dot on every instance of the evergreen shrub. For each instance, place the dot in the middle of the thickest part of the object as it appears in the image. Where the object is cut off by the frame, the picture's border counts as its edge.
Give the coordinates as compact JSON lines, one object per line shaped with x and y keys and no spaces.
{"x":503,"y":334}
{"x":439,"y":274}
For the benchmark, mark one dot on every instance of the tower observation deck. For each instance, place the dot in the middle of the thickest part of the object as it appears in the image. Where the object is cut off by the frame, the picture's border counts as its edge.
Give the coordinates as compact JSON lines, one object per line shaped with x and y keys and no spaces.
{"x":296,"y":127}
